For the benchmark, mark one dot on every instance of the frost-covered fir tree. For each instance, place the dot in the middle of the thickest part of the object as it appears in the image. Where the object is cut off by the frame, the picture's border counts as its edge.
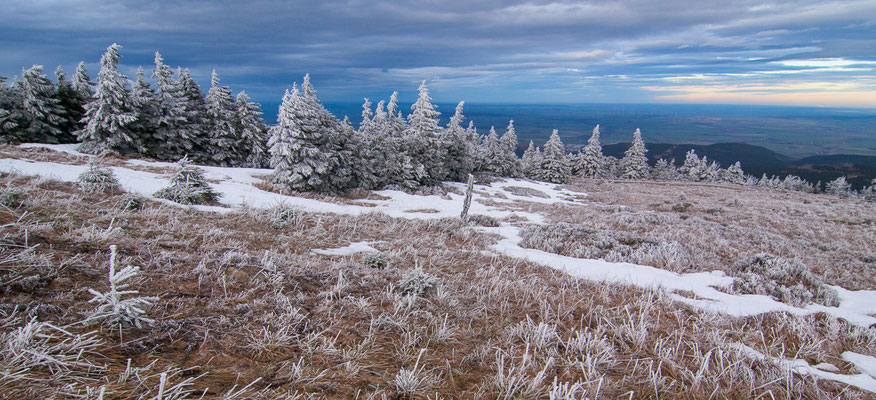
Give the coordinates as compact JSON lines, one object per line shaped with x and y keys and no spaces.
{"x":82,"y":83}
{"x":510,"y":161}
{"x":839,"y":187}
{"x":144,"y":103}
{"x":491,"y":152}
{"x":554,"y":165}
{"x":460,"y":158}
{"x":44,"y":115}
{"x":369,"y":158}
{"x":592,"y":160}
{"x":665,"y":170}
{"x":173,"y":139}
{"x":252,"y":131}
{"x":195,"y":111}
{"x":224,"y":146}
{"x":426,"y":144}
{"x":530,"y":161}
{"x":304,"y":146}
{"x":188,"y":186}
{"x":12,"y":116}
{"x":109,"y":114}
{"x":734,"y":174}
{"x":72,"y":104}
{"x":869,"y":192}
{"x":634,"y":163}
{"x":693,"y":167}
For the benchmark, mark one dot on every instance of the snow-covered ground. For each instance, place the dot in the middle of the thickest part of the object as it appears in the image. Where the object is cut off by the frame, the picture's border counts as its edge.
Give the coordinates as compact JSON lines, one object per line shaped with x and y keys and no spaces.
{"x":237,"y":188}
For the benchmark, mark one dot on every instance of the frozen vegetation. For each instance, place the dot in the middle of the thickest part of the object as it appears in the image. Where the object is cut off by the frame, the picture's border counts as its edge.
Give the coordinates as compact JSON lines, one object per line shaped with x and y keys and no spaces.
{"x":390,"y":294}
{"x":313,"y":259}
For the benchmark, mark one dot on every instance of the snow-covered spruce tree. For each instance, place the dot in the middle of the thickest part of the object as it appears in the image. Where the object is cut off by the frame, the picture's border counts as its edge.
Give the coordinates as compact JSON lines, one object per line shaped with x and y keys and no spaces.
{"x":869,"y":193}
{"x":195,"y":111}
{"x":839,"y":187}
{"x":109,"y":114}
{"x":98,"y":179}
{"x":173,"y":139}
{"x":693,"y":167}
{"x":304,"y":149}
{"x":554,"y":165}
{"x":510,"y":161}
{"x":665,"y":171}
{"x":82,"y":83}
{"x":224,"y":146}
{"x":44,"y":114}
{"x":734,"y":174}
{"x":711,"y":172}
{"x":592,"y":160}
{"x":635,"y":164}
{"x":12,"y":115}
{"x":491,"y":154}
{"x":252,"y":131}
{"x":460,"y":159}
{"x":530,"y":161}
{"x":146,"y":108}
{"x":72,"y":104}
{"x":188,"y":186}
{"x":425,"y":139}
{"x":369,"y":158}
{"x":399,"y":169}
{"x":112,"y":308}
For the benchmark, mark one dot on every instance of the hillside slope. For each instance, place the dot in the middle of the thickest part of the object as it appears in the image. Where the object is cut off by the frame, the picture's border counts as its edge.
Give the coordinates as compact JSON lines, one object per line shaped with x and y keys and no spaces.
{"x":546,"y":291}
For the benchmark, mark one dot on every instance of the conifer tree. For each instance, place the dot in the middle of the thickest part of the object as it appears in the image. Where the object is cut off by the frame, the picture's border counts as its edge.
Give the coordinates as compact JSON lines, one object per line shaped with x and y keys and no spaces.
{"x":224,"y":146}
{"x":195,"y":112}
{"x":109,"y":114}
{"x":491,"y":153}
{"x":369,"y":157}
{"x":734,"y":174}
{"x":174,"y":140}
{"x":400,"y":170}
{"x":424,"y":137}
{"x":11,"y":112}
{"x":44,"y":115}
{"x":592,"y":160}
{"x":510,"y":162}
{"x":73,"y":106}
{"x":460,"y":160}
{"x":82,"y":83}
{"x":304,"y":145}
{"x":692,"y":167}
{"x":554,"y":164}
{"x":530,"y":162}
{"x":252,"y":131}
{"x":665,"y":170}
{"x":146,"y":108}
{"x":634,"y":163}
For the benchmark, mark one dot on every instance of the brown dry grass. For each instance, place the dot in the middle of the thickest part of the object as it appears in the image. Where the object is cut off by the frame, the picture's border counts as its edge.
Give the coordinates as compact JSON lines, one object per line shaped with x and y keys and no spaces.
{"x":242,"y":301}
{"x":721,"y":224}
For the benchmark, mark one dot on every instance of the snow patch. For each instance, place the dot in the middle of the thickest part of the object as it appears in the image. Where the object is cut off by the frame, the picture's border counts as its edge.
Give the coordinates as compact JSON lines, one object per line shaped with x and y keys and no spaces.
{"x":864,"y":363}
{"x":352,"y":248}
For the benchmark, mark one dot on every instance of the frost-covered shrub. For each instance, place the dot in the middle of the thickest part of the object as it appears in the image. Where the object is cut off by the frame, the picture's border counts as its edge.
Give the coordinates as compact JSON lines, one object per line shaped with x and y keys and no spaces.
{"x":375,"y":260}
{"x":188,"y":186}
{"x":417,"y":282}
{"x":484,"y":220}
{"x":525,"y":191}
{"x":788,"y":281}
{"x":133,"y":202}
{"x":112,"y":309}
{"x":98,"y":179}
{"x":575,"y":240}
{"x":869,"y":193}
{"x":839,"y":187}
{"x":11,"y":197}
{"x":283,"y":216}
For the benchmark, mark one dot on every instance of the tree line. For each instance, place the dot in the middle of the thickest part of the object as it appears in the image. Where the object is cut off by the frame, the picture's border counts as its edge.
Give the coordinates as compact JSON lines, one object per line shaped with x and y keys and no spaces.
{"x":309,"y":148}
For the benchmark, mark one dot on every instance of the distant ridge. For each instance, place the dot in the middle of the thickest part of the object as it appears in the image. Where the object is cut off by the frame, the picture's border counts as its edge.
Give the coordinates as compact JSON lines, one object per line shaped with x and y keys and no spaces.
{"x":758,"y":160}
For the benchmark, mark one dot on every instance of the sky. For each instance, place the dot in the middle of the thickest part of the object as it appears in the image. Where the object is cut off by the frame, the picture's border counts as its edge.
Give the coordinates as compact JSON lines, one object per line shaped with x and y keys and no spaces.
{"x":806,"y":53}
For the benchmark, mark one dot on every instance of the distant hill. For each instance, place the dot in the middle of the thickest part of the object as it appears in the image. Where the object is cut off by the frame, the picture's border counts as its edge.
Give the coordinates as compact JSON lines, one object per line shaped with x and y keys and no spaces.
{"x":757,"y":160}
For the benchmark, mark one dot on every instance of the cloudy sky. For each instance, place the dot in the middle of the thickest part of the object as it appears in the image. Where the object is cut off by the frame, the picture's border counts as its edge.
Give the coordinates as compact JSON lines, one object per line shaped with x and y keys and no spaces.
{"x":813,"y":53}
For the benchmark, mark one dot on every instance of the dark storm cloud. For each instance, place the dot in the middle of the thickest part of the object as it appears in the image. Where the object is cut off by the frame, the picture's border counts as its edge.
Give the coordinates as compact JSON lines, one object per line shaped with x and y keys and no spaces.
{"x":479,"y":51}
